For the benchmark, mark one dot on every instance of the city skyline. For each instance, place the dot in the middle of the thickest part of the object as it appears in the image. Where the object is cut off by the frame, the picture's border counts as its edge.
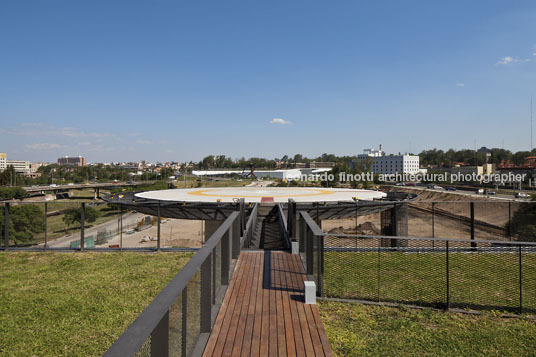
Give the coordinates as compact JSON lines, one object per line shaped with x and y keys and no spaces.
{"x":177,"y":82}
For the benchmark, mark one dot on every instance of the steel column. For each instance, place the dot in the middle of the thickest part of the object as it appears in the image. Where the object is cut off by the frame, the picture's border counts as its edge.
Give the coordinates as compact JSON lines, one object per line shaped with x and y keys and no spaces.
{"x":158,"y":228}
{"x":6,"y":226}
{"x":160,"y":338}
{"x":206,"y":295}
{"x":82,"y":225}
{"x":46,"y":228}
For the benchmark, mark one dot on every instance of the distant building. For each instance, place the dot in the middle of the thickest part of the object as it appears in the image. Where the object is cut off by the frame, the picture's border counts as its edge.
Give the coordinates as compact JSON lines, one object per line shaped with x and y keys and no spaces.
{"x":390,"y":164}
{"x":72,"y":161}
{"x":20,"y":166}
{"x":3,"y":161}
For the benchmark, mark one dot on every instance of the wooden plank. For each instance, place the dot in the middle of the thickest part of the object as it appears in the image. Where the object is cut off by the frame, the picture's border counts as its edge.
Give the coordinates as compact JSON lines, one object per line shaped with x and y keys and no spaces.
{"x":272,"y":349}
{"x":224,"y":332}
{"x":265,"y":330}
{"x":286,"y":294}
{"x":233,"y":326}
{"x":278,"y":287}
{"x":209,"y":349}
{"x":243,"y":336}
{"x":298,"y":338}
{"x":257,"y":323}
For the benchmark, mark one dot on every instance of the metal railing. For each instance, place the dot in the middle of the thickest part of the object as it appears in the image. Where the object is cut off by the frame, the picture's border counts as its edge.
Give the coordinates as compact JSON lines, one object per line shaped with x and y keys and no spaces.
{"x":179,"y":320}
{"x":250,"y":226}
{"x":283,"y":225}
{"x":423,"y":271}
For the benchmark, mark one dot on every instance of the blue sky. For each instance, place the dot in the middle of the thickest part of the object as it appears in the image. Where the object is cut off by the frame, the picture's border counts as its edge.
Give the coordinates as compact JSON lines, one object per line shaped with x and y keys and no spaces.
{"x":160,"y":81}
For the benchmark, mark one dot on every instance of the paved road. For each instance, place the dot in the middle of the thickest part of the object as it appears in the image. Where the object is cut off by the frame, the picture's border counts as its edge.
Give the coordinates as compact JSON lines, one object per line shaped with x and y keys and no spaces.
{"x":468,"y":193}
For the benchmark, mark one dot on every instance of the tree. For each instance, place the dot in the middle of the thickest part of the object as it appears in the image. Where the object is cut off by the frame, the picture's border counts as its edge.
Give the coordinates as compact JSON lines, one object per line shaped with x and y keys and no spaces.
{"x":74,"y":215}
{"x":523,"y":222}
{"x":24,"y":221}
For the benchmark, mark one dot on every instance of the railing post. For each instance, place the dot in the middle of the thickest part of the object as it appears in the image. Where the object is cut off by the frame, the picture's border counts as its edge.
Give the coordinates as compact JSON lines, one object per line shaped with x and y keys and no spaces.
{"x":242,"y":203}
{"x":82,"y":224}
{"x":235,"y":234}
{"x":46,"y":219}
{"x":225,"y":258}
{"x":160,"y":338}
{"x":520,"y":282}
{"x":302,"y":233}
{"x":206,"y":295}
{"x":320,"y":254}
{"x":158,"y":228}
{"x":448,"y":274}
{"x":6,"y":226}
{"x":309,"y":253}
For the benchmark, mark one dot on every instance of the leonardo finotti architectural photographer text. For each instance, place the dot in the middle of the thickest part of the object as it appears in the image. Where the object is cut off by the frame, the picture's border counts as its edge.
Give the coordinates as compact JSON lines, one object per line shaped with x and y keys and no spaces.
{"x":418,"y":177}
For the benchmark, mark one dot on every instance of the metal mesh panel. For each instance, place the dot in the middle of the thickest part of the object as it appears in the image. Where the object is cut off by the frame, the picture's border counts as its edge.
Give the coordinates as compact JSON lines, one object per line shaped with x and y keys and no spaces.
{"x":193,"y":313}
{"x":176,"y":333}
{"x":414,"y":274}
{"x":484,"y":277}
{"x":528,"y":279}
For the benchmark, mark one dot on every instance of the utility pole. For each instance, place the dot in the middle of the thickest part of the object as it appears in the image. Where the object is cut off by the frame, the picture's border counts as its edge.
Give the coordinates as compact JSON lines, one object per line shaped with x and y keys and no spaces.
{"x":531,"y":123}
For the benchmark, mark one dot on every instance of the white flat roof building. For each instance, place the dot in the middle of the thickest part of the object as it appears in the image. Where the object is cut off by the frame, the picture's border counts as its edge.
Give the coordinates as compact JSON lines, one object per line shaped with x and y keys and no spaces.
{"x":20,"y":166}
{"x":390,"y":164}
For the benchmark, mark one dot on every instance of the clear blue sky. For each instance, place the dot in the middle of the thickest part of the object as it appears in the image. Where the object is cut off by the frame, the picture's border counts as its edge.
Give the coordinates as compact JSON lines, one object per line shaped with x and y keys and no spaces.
{"x":178,"y":80}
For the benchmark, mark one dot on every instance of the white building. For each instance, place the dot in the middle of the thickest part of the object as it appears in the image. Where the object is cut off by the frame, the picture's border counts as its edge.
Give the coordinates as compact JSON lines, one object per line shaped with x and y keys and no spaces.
{"x":20,"y":166}
{"x":390,"y":164}
{"x":3,"y":161}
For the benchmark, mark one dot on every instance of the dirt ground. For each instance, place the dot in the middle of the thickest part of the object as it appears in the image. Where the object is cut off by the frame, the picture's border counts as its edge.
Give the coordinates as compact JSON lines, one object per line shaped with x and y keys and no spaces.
{"x":450,"y":219}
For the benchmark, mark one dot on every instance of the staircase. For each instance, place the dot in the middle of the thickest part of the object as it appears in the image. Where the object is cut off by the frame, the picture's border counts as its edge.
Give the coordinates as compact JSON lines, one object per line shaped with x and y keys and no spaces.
{"x":267,"y":233}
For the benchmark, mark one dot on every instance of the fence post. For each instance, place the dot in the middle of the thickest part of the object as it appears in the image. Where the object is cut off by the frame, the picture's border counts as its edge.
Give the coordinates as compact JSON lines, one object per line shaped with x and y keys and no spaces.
{"x":472,"y":205}
{"x":46,"y":214}
{"x":121,"y":227}
{"x":448,"y":274}
{"x":82,"y":224}
{"x":433,"y":223}
{"x":378,"y":274}
{"x":6,"y":226}
{"x":510,"y":220}
{"x":158,"y":229}
{"x":520,"y":283}
{"x":160,"y":337}
{"x":206,"y":292}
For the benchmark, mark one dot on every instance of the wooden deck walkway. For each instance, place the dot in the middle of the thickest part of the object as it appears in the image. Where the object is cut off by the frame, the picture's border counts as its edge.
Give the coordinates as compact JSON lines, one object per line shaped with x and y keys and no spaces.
{"x":263,"y":312}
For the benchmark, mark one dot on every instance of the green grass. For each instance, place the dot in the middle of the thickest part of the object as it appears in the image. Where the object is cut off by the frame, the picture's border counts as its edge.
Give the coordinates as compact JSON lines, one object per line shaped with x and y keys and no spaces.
{"x":482,"y":280}
{"x":77,"y":304}
{"x":364,"y":330}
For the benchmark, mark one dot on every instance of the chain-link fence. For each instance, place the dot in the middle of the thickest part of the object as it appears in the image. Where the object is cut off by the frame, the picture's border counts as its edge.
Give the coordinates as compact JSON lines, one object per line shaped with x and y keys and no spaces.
{"x":446,"y":273}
